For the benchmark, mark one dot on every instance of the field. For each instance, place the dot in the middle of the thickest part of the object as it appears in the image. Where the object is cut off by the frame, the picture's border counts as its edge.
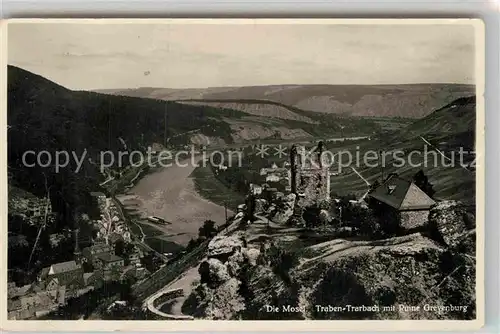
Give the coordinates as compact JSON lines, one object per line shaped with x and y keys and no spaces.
{"x":208,"y":186}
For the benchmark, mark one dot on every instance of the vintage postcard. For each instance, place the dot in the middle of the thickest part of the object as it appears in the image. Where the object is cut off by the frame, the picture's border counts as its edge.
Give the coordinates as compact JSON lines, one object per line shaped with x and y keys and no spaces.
{"x":243,"y":174}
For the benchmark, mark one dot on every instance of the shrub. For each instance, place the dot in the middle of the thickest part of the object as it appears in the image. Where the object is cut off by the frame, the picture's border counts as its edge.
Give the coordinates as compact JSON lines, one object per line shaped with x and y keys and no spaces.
{"x":422,"y":181}
{"x":361,"y":219}
{"x":282,"y":262}
{"x":208,"y":230}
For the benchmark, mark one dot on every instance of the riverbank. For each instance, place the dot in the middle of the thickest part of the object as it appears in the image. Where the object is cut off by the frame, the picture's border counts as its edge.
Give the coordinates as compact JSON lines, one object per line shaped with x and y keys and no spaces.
{"x":170,"y":193}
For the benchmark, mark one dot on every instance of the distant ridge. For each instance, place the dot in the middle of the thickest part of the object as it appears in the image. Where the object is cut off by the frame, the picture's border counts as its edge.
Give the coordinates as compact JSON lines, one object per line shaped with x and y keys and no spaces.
{"x":406,"y":100}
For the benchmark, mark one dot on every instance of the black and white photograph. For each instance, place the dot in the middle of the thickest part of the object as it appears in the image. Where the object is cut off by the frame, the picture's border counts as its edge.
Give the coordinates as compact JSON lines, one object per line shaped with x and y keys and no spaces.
{"x":244,"y":169}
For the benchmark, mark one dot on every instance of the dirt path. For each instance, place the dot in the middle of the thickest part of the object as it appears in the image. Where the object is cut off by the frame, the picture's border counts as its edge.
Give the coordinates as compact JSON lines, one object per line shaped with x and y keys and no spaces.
{"x":170,"y":194}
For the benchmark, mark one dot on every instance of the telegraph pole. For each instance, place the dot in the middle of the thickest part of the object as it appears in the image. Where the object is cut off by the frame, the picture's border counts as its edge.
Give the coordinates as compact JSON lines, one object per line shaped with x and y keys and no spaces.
{"x":381,"y":161}
{"x":165,"y":128}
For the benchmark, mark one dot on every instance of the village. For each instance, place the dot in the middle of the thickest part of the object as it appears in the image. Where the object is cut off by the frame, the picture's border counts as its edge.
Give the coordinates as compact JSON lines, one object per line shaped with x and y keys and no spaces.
{"x":284,"y":194}
{"x":112,"y":256}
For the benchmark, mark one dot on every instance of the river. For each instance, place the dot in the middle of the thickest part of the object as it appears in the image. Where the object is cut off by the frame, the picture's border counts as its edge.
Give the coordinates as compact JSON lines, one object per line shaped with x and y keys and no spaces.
{"x":170,"y":193}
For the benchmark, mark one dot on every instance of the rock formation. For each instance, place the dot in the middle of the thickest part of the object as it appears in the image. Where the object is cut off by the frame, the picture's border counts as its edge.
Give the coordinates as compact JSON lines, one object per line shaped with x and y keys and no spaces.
{"x":218,"y":295}
{"x":452,"y":221}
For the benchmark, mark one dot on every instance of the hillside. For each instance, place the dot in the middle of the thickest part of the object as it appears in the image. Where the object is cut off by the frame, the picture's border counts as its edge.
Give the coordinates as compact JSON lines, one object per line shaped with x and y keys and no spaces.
{"x":409,"y":101}
{"x":448,"y":129}
{"x":456,"y":117}
{"x":44,"y":116}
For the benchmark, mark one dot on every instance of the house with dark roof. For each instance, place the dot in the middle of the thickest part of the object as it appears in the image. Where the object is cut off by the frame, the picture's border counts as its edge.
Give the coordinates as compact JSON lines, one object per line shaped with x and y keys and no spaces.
{"x":110,"y":263}
{"x":90,"y":254}
{"x":404,"y":196}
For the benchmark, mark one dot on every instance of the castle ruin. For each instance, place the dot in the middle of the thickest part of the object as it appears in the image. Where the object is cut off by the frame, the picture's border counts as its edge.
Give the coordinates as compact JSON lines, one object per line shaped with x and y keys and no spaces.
{"x":310,"y":174}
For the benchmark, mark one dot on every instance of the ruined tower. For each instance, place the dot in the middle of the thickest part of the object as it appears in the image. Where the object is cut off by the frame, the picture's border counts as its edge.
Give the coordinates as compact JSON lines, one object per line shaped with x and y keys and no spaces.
{"x":296,"y":167}
{"x":310,"y":178}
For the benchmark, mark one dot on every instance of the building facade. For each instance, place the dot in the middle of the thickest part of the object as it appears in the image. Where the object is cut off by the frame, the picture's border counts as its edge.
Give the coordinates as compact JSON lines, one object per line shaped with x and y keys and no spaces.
{"x":406,"y":198}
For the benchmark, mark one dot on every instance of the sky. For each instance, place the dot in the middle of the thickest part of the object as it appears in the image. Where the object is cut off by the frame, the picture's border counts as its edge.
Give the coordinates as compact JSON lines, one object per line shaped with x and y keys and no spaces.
{"x":105,"y":56}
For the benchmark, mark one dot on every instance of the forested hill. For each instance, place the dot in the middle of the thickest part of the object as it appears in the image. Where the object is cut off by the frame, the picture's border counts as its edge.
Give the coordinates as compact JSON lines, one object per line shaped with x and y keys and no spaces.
{"x":43,"y":116}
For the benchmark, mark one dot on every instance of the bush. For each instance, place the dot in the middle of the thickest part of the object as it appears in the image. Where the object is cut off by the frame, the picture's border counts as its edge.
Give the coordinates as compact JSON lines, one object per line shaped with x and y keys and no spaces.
{"x":282,"y":262}
{"x":311,"y":216}
{"x":422,"y":181}
{"x":361,"y":219}
{"x":388,"y":219}
{"x":192,"y":244}
{"x":208,"y":230}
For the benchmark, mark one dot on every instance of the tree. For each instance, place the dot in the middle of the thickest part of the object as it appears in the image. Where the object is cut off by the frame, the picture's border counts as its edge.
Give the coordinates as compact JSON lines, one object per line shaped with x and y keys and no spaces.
{"x":388,"y":218}
{"x":311,"y":216}
{"x":120,"y":247}
{"x":374,"y":185}
{"x":282,"y":262}
{"x":208,"y":230}
{"x":360,"y":218}
{"x":297,"y":218}
{"x":421,"y":180}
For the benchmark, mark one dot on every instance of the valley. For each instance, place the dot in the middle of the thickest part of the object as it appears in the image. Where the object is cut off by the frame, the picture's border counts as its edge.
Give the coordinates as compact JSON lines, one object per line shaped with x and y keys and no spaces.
{"x":189,"y":198}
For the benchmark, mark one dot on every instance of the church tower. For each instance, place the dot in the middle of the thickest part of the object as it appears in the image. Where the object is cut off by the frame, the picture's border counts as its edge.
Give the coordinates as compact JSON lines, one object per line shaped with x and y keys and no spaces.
{"x":77,"y":253}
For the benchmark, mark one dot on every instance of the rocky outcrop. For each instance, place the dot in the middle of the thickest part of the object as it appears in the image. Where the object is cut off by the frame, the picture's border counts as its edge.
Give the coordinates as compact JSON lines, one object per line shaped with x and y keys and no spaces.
{"x":405,"y":277}
{"x":221,"y":303}
{"x":213,"y":272}
{"x":409,"y":277}
{"x":397,"y":273}
{"x":451,"y":220}
{"x":222,"y":245}
{"x":218,"y":294}
{"x":252,"y":254}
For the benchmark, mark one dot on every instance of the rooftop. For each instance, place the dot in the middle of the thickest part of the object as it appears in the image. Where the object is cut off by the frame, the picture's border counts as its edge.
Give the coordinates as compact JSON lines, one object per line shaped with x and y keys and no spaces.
{"x":98,"y":248}
{"x":107,"y":257}
{"x":61,"y":267}
{"x":402,"y":194}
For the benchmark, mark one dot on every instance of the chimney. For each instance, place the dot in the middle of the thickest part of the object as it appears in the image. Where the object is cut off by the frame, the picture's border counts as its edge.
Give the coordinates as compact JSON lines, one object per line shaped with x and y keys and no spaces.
{"x":391,"y":188}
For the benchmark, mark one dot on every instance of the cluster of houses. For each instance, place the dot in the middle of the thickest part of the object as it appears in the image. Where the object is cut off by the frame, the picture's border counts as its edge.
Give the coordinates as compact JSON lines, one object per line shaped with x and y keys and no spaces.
{"x":89,"y":269}
{"x":110,"y":226}
{"x":276,"y":177}
{"x":35,"y":210}
{"x":60,"y":281}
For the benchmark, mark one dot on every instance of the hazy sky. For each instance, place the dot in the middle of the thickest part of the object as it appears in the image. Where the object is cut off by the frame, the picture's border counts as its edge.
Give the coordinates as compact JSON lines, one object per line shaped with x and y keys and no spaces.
{"x":96,"y":56}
